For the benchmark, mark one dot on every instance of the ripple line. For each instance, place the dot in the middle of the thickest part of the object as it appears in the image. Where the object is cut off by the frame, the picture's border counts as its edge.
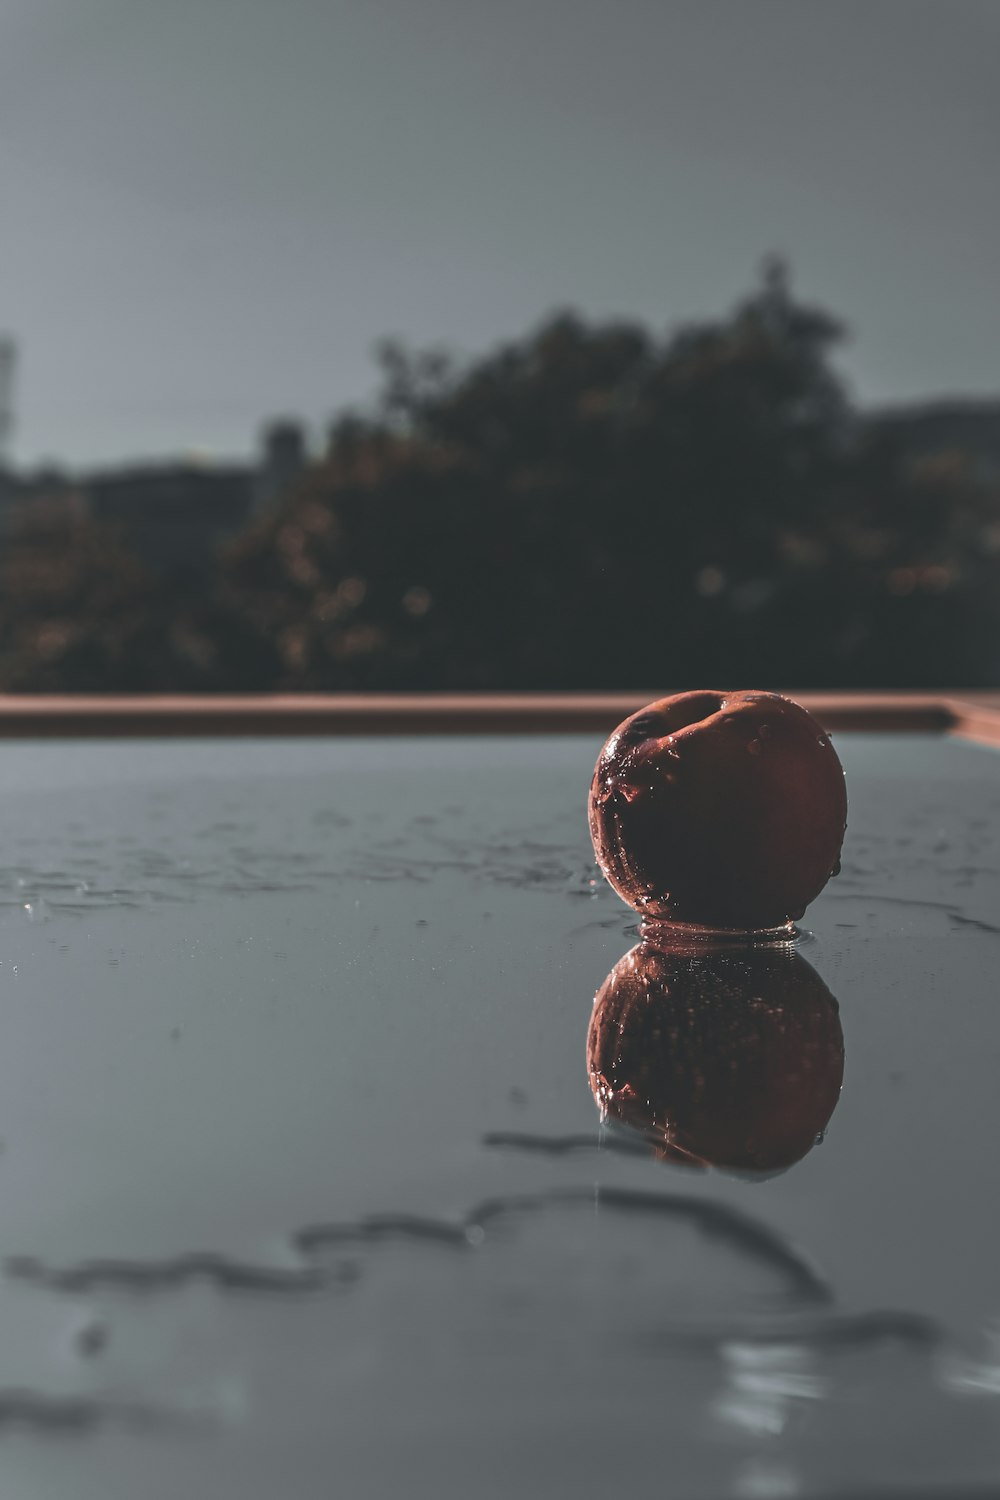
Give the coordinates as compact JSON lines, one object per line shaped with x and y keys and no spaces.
{"x":160,"y":1275}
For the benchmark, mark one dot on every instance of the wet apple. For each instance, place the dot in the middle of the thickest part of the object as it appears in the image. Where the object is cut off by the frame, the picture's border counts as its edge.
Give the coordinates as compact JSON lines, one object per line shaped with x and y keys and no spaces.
{"x":719,"y":810}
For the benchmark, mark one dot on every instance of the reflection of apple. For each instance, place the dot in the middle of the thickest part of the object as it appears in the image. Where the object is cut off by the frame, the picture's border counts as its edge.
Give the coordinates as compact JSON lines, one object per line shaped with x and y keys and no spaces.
{"x":729,"y":1057}
{"x":722,"y":810}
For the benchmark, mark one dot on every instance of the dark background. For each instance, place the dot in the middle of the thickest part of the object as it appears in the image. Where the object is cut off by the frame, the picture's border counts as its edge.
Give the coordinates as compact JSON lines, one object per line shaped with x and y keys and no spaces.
{"x":685,"y":324}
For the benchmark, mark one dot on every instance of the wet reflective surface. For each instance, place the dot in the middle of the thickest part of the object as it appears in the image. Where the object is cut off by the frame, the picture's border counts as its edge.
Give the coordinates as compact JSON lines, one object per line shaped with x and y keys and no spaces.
{"x":304,"y":1187}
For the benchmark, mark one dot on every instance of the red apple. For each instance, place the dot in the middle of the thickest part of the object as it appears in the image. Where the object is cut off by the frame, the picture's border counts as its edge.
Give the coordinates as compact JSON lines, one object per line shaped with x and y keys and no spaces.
{"x":721,"y":810}
{"x":719,"y":1057}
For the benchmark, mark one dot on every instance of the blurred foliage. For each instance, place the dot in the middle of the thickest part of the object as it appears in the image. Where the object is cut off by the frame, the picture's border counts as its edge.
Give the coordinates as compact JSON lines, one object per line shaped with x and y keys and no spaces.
{"x":80,"y":613}
{"x":589,"y":507}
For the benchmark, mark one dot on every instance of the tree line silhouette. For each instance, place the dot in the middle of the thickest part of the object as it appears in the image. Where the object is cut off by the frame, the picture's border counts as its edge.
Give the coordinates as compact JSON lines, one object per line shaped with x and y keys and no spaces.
{"x":592,"y":506}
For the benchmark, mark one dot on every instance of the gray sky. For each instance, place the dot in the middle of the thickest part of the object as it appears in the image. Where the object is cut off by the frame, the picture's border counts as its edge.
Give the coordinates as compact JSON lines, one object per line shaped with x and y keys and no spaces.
{"x":211,"y":209}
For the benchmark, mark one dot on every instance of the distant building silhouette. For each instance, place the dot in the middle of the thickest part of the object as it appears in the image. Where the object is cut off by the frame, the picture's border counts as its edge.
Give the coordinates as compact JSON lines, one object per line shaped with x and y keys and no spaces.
{"x":45,"y":498}
{"x":173,"y":516}
{"x":283,"y":458}
{"x":176,"y":515}
{"x":935,"y":429}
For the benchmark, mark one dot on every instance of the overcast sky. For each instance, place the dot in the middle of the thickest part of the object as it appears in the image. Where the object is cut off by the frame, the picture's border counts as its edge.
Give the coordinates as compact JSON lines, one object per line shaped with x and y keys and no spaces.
{"x":211,"y":209}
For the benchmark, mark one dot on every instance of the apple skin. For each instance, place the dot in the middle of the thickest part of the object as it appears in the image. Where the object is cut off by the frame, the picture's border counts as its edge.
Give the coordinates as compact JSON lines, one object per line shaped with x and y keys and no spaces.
{"x":719,"y":810}
{"x":719,"y":1057}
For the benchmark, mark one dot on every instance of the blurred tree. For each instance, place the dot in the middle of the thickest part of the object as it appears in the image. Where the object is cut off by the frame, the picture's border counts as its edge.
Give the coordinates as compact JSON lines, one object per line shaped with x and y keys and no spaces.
{"x":591,"y":506}
{"x":586,"y":507}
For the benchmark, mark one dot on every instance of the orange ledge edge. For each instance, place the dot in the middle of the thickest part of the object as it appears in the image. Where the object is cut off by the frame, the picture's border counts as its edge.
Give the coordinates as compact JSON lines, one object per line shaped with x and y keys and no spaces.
{"x":970,"y":715}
